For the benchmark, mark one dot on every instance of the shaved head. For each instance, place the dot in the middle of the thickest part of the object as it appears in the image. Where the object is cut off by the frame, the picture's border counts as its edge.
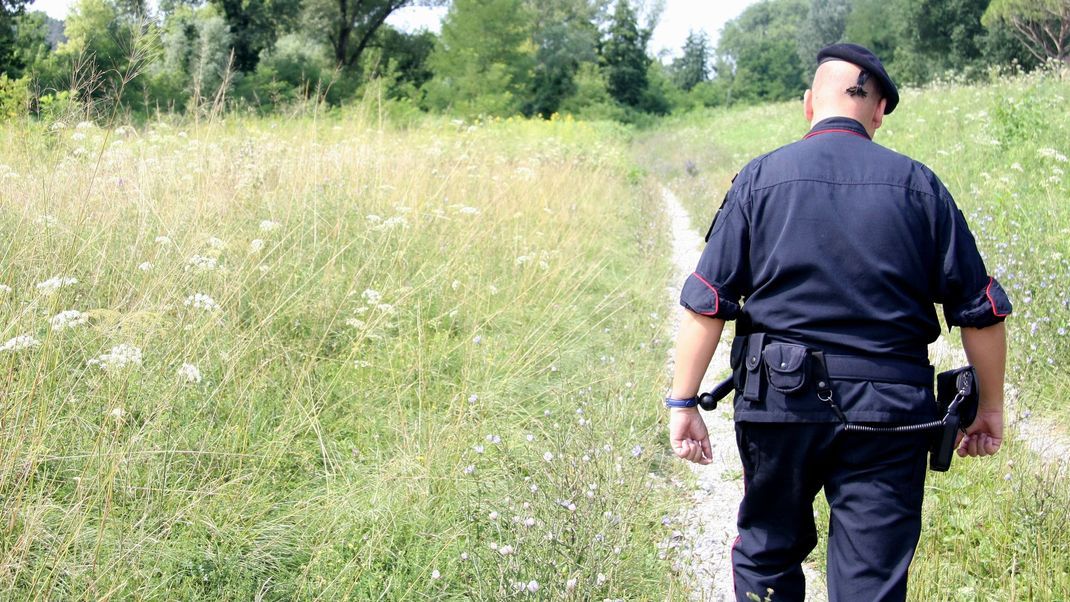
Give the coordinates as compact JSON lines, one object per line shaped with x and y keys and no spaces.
{"x":828,"y":96}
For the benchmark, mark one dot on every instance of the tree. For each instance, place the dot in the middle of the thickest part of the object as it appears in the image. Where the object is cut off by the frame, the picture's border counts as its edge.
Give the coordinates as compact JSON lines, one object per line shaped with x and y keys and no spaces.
{"x":255,"y":25}
{"x":350,"y":26}
{"x":1042,"y":25}
{"x":758,"y":54}
{"x":824,"y":25}
{"x":483,"y":62}
{"x":624,"y":56}
{"x":693,"y":67}
{"x":10,"y":10}
{"x":876,"y":24}
{"x":565,"y":35}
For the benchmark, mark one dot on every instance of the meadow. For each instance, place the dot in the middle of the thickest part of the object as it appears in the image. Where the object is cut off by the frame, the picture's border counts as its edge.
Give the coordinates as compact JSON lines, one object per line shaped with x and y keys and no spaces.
{"x":994,"y":529}
{"x":324,"y":357}
{"x":346,"y":355}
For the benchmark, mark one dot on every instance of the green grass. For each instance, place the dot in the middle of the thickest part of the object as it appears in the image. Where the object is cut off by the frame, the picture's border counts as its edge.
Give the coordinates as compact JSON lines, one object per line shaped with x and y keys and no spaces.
{"x":444,"y":344}
{"x":994,"y":528}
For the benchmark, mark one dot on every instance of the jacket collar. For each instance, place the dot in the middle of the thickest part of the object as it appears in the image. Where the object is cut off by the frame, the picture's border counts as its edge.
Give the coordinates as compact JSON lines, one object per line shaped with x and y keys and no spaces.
{"x":842,"y":125}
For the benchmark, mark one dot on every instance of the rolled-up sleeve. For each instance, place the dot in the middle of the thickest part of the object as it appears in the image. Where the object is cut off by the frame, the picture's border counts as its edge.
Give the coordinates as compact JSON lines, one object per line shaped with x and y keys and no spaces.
{"x":722,"y":276}
{"x":970,"y":296}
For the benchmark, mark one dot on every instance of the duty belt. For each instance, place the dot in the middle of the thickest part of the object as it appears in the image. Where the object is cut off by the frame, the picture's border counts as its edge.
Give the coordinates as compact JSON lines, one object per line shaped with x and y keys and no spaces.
{"x":790,"y":369}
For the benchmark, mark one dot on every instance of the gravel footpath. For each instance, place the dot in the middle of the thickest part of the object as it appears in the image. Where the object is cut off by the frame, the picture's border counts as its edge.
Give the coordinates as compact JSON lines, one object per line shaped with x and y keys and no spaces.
{"x":707,"y":528}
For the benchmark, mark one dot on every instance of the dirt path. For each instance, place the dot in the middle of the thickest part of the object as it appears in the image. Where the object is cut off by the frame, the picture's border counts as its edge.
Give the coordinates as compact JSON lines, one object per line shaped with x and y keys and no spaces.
{"x":707,"y":527}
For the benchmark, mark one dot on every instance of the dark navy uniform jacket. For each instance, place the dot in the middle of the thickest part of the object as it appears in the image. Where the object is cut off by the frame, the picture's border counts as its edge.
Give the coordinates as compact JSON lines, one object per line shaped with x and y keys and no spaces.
{"x":840,"y":244}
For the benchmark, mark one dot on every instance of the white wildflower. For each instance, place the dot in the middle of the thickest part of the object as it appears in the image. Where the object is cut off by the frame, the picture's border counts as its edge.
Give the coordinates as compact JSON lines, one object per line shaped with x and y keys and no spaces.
{"x":549,"y":457}
{"x":473,"y":398}
{"x":397,"y":221}
{"x":435,"y":575}
{"x":19,"y":343}
{"x":164,"y":241}
{"x":71,"y":318}
{"x":372,"y":296}
{"x":117,"y":413}
{"x":5,"y":289}
{"x":201,"y":301}
{"x":355,"y":323}
{"x":570,"y":585}
{"x":637,"y":451}
{"x":190,"y":374}
{"x":120,"y":356}
{"x":477,"y":448}
{"x":529,"y":522}
{"x":361,"y":364}
{"x":495,"y":439}
{"x":201,"y":263}
{"x":468,"y":211}
{"x":55,"y":283}
{"x":505,"y":550}
{"x":533,"y":586}
{"x":523,"y":259}
{"x":375,"y":219}
{"x":1051,"y":153}
{"x":600,"y":579}
{"x":493,"y":515}
{"x":469,"y":469}
{"x":145,"y":266}
{"x":46,"y":220}
{"x":268,"y":226}
{"x":216,"y":243}
{"x":476,"y":340}
{"x":256,"y":245}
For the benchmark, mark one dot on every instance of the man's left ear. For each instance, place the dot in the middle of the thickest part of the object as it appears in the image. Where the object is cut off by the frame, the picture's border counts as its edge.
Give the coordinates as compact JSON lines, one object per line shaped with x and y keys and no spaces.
{"x":878,"y":113}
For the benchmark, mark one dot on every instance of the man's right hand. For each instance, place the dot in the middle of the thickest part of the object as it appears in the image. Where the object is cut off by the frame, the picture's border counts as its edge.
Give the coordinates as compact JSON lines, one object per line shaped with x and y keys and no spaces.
{"x":688,"y":435}
{"x":984,"y":436}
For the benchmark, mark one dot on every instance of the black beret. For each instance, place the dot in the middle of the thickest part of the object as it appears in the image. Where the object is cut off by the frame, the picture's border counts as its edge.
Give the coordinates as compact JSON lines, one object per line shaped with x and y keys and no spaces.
{"x":861,"y":56}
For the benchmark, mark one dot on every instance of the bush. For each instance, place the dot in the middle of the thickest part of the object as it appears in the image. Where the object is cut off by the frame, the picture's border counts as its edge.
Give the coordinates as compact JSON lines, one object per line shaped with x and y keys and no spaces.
{"x":14,"y":97}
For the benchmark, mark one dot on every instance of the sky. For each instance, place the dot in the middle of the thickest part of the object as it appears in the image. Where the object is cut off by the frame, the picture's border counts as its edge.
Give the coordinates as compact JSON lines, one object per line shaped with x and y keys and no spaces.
{"x":680,"y":17}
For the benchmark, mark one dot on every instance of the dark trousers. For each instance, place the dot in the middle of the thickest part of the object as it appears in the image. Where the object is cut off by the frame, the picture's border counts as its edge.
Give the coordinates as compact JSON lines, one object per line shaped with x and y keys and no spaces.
{"x":874,"y":485}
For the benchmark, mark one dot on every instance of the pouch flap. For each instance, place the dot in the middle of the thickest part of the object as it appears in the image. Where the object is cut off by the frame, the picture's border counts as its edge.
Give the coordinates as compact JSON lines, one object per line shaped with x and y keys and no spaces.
{"x":786,"y":366}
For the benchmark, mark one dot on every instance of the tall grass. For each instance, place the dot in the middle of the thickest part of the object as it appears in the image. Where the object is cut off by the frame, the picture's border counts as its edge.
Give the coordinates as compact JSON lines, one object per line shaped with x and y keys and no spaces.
{"x":995,"y":528}
{"x":324,"y":358}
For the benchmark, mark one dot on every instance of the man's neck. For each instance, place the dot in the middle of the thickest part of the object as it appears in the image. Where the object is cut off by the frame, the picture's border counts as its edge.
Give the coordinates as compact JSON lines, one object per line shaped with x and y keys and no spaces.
{"x":819,"y":117}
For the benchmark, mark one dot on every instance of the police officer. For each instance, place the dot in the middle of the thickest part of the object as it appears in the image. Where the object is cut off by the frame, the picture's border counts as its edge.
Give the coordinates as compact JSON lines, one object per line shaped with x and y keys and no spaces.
{"x":834,"y":247}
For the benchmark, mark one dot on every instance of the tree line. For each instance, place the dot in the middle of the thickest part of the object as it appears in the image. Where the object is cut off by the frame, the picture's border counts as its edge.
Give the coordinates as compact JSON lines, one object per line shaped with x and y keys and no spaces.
{"x":492,"y":57}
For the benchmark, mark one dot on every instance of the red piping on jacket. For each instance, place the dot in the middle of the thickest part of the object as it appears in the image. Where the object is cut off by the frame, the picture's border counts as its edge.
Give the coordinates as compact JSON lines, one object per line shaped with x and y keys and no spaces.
{"x":838,"y":131}
{"x":988,"y":293}
{"x":716,"y":297}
